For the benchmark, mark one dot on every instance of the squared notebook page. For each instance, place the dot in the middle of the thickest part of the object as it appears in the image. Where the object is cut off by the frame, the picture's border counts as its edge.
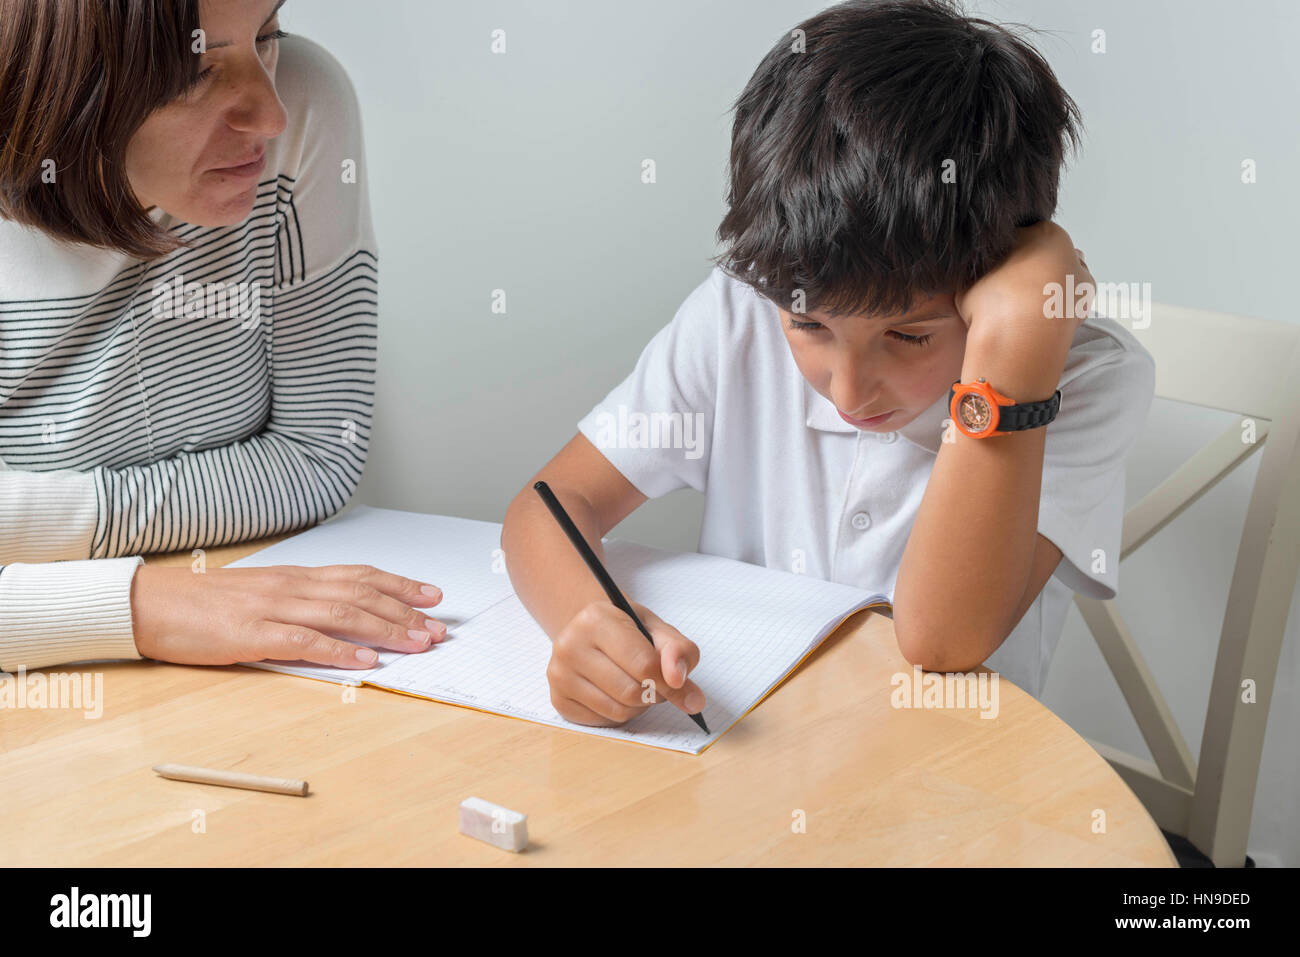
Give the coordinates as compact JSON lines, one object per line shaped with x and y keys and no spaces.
{"x":459,"y":555}
{"x":753,"y":626}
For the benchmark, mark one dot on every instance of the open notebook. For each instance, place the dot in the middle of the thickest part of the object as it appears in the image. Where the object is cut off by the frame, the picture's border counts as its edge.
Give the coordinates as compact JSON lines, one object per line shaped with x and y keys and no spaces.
{"x":753,"y":625}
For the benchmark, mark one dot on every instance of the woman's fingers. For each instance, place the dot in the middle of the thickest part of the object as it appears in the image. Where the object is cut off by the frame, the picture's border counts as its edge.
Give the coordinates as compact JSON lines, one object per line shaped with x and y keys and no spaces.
{"x":415,"y":593}
{"x":347,"y":619}
{"x":278,"y":641}
{"x":374,"y":601}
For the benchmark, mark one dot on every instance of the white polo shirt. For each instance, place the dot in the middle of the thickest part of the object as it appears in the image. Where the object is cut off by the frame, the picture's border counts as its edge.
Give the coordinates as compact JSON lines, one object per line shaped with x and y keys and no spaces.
{"x":716,"y":402}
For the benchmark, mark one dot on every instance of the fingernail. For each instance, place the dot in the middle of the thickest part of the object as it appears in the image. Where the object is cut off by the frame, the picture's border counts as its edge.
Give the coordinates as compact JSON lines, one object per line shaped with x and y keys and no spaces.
{"x":431,"y":591}
{"x":423,"y":637}
{"x":683,"y":667}
{"x":695,"y":702}
{"x":367,"y":656}
{"x":436,"y":628}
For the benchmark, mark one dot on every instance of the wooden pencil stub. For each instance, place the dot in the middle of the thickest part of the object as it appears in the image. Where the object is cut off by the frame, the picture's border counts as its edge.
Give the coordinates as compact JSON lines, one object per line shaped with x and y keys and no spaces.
{"x":232,"y":779}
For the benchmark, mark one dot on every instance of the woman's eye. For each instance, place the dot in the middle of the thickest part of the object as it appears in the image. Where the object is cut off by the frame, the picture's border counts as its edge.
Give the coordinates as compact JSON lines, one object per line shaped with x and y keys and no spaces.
{"x":196,"y":82}
{"x":263,"y":40}
{"x":796,"y":324}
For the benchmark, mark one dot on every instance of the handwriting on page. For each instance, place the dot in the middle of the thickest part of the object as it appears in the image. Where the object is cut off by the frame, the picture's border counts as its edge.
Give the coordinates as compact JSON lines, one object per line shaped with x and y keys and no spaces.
{"x":752,"y":624}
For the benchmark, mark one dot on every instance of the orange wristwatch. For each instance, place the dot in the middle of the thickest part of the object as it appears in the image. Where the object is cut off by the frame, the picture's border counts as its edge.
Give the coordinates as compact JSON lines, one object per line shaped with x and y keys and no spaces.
{"x":980,"y":411}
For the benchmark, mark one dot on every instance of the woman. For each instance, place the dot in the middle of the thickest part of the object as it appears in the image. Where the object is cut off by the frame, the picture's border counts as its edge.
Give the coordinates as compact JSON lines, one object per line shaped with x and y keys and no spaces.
{"x":188,"y":296}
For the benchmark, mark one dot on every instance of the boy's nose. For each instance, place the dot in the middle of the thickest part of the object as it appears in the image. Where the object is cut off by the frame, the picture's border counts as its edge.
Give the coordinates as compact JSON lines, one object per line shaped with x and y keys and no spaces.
{"x":858,"y":403}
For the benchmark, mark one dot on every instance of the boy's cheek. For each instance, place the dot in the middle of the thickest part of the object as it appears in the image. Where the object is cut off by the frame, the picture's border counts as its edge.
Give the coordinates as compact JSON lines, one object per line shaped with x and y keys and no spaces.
{"x":808,"y":367}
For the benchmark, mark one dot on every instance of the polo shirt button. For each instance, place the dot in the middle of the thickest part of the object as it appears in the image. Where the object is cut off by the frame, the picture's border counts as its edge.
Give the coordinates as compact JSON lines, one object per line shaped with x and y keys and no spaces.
{"x":887,"y":436}
{"x":860,"y":520}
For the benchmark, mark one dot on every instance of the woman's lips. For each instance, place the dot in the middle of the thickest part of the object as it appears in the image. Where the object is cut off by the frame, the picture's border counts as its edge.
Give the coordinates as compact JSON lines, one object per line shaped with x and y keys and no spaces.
{"x":248,"y":169}
{"x":870,"y":423}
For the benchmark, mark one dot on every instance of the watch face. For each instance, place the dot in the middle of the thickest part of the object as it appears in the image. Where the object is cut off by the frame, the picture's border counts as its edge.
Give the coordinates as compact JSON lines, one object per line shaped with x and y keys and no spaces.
{"x":974,"y":411}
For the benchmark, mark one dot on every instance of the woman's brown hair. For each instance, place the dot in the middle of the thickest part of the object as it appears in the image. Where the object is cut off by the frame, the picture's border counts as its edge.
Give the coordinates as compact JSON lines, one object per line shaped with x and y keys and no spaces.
{"x":77,"y":78}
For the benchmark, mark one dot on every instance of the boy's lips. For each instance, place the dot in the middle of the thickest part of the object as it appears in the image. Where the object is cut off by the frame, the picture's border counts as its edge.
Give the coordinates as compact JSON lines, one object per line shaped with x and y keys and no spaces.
{"x":867,"y":423}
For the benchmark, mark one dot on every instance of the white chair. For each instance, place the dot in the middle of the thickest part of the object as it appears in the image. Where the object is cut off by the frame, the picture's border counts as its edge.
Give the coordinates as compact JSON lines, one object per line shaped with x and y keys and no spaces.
{"x":1250,"y":367}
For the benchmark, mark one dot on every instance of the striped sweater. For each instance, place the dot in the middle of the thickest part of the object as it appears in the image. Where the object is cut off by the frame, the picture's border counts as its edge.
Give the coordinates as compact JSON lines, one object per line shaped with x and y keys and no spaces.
{"x":220,"y":393}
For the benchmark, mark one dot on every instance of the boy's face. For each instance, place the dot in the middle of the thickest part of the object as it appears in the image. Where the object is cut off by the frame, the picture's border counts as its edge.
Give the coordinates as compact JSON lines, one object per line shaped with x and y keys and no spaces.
{"x":867,"y":368}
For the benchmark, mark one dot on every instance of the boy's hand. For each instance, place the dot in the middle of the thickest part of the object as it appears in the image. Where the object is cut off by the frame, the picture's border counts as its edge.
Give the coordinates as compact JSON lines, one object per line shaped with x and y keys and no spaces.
{"x":1012,"y":294}
{"x":603,"y":672}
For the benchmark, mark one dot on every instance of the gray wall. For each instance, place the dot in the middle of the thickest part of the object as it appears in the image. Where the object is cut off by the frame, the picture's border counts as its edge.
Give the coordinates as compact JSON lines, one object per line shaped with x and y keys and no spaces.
{"x":522,"y":172}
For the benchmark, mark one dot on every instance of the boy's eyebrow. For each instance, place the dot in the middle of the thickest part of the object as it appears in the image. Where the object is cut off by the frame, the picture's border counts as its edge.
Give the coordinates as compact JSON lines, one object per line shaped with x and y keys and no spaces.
{"x":915,"y":320}
{"x":936,"y":314}
{"x":269,"y":17}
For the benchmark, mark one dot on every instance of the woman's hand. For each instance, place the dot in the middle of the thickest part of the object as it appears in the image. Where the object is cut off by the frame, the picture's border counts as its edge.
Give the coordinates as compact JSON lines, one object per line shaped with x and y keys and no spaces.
{"x":280,"y":612}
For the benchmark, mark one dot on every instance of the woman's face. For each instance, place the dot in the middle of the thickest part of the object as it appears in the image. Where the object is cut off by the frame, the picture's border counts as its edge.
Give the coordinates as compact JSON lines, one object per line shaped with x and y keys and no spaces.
{"x":200,"y":157}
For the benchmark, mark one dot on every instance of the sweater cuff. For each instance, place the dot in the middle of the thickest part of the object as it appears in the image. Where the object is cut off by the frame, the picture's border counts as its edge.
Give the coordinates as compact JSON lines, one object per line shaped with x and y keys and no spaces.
{"x":47,"y":516}
{"x":66,"y":611}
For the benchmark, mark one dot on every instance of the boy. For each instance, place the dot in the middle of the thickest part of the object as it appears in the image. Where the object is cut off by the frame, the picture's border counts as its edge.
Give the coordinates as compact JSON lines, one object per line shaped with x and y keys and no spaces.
{"x":894,"y":167}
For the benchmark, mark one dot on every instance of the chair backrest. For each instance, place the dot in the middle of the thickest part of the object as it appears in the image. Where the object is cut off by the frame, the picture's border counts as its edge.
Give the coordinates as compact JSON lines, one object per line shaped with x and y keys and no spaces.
{"x":1250,"y":367}
{"x":1216,"y":359}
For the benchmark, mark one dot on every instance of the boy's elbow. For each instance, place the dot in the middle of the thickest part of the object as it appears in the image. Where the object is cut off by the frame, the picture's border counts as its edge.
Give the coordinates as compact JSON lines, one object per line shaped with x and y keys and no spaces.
{"x":919,"y":654}
{"x":938,"y":650}
{"x":516,"y":523}
{"x":512,"y":514}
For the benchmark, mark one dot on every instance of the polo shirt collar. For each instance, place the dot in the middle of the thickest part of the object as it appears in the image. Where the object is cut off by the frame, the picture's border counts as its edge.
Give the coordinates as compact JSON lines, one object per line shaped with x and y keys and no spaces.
{"x":820,"y":413}
{"x":925,"y":431}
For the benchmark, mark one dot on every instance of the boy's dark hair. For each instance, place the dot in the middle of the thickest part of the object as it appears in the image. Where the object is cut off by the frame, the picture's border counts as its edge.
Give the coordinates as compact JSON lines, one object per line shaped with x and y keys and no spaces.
{"x":838,"y":156}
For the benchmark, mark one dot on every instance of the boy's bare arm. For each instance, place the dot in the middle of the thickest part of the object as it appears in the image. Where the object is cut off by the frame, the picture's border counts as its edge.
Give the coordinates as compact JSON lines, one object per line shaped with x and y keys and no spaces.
{"x":974,"y":561}
{"x":602,"y":670}
{"x":548,"y":575}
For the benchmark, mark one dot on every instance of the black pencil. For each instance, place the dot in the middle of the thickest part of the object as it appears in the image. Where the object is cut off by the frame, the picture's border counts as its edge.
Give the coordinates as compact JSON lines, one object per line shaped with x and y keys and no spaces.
{"x":597,"y":569}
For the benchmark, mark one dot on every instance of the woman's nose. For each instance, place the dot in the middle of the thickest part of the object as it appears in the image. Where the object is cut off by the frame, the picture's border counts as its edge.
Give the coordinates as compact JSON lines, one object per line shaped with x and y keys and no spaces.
{"x":258,"y":108}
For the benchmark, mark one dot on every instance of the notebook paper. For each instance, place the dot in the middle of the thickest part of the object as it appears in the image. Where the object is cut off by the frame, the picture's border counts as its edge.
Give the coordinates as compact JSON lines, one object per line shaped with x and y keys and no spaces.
{"x":459,"y":555}
{"x":753,"y":625}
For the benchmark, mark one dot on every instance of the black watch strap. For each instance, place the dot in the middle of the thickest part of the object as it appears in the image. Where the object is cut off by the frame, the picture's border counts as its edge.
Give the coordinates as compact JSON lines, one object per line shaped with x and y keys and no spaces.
{"x":1023,"y":415}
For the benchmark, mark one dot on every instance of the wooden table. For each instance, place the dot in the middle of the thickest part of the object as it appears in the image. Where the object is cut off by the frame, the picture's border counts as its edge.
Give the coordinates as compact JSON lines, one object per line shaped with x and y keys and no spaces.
{"x":874,"y":785}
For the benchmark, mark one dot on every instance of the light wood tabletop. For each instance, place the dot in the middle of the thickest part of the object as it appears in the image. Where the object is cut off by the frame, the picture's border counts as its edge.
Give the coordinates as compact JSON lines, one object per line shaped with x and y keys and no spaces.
{"x":826,"y":771}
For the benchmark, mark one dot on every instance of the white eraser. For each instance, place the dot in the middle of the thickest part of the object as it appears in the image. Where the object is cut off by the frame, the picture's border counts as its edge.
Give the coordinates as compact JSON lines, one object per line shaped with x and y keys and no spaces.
{"x":498,"y":826}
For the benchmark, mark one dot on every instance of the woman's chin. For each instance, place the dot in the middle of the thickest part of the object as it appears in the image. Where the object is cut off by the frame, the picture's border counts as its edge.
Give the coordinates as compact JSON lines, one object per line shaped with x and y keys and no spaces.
{"x":219,"y":211}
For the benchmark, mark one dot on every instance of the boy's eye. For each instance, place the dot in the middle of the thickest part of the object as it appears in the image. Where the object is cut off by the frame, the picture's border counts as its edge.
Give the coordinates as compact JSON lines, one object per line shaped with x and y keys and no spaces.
{"x":914,"y":340}
{"x":796,"y":324}
{"x":901,"y":337}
